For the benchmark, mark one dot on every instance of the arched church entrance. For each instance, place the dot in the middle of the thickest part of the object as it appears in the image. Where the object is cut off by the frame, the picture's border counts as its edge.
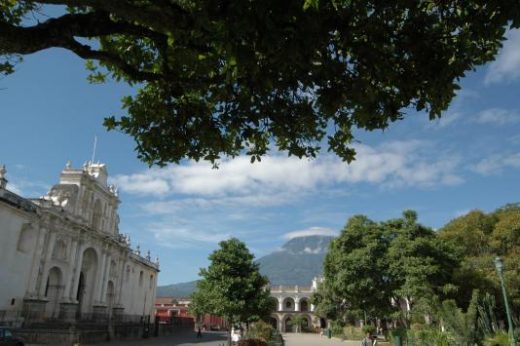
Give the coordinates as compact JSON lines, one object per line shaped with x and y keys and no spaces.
{"x":53,"y":292}
{"x":88,"y":280}
{"x":273,"y":321}
{"x":288,"y":325}
{"x":323,"y":323}
{"x":306,"y":323}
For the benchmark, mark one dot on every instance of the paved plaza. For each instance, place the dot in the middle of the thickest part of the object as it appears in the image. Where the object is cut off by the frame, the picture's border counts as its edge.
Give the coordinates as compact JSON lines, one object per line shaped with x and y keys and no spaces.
{"x":304,"y":339}
{"x":219,"y":339}
{"x":187,"y":338}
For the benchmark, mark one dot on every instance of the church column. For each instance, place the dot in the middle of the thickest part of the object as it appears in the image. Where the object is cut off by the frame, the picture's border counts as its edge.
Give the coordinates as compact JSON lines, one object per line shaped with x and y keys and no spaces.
{"x":122,"y":278}
{"x":69,"y":275}
{"x":280,"y":303}
{"x":33,"y":302}
{"x":34,"y":277}
{"x":69,"y":307}
{"x":102,"y":296}
{"x":296,"y":304}
{"x":99,"y":279}
{"x":313,"y":307}
{"x":118,"y":308}
{"x":46,"y":264}
{"x":77,"y":272}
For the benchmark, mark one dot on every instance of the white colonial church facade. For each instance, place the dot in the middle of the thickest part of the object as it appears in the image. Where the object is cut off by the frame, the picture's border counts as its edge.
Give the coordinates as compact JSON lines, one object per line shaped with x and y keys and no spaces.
{"x":62,"y":256}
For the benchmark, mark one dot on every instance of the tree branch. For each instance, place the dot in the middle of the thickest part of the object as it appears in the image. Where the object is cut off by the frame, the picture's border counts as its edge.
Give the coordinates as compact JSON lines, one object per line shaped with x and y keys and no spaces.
{"x":86,"y":52}
{"x":161,"y":18}
{"x":60,"y":32}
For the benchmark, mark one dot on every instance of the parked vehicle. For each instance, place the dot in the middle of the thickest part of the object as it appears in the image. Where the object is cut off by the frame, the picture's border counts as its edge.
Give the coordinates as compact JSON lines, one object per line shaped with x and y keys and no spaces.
{"x":8,"y":339}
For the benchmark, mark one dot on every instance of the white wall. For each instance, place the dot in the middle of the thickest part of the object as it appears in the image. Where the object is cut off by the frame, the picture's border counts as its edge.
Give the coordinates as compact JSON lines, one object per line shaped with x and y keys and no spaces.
{"x":15,"y":265}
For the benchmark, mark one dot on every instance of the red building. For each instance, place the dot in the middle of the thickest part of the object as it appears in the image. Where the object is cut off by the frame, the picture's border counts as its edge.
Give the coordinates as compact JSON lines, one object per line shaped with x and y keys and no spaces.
{"x":168,"y":309}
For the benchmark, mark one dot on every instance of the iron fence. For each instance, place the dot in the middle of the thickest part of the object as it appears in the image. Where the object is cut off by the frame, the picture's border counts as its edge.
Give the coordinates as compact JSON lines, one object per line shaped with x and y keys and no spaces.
{"x":28,"y":318}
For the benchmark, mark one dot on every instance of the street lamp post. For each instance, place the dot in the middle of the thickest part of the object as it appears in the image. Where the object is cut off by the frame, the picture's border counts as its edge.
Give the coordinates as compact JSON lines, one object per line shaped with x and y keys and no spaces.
{"x":499,"y":265}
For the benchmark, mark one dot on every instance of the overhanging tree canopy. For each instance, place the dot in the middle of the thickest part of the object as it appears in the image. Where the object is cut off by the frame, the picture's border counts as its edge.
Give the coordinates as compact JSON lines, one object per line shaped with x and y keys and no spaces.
{"x":219,"y":77}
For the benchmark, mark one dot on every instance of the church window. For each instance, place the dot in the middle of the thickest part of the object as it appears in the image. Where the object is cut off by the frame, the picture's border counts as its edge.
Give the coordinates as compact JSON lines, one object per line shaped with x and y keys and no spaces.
{"x":113,"y":269}
{"x":60,"y":250}
{"x":27,"y":236}
{"x":127,"y":274}
{"x":96,"y":216}
{"x":84,"y":204}
{"x":151,"y":281}
{"x":141,"y":274}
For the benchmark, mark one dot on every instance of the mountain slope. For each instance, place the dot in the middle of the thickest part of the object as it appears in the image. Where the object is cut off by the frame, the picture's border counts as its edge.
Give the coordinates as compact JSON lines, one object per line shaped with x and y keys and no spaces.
{"x":296,"y":263}
{"x":180,"y":290}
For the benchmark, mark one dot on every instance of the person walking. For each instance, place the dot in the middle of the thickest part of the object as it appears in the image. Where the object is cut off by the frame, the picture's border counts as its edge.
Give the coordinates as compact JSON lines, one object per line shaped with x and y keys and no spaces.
{"x":367,"y":341}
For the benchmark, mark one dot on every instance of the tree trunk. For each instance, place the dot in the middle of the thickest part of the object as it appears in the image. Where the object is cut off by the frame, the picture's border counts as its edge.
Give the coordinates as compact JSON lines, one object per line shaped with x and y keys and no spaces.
{"x":230,"y":328}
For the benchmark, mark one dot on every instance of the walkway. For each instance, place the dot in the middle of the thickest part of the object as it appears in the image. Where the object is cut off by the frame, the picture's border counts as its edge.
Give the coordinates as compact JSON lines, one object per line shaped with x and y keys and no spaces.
{"x":181,"y":339}
{"x":304,"y":339}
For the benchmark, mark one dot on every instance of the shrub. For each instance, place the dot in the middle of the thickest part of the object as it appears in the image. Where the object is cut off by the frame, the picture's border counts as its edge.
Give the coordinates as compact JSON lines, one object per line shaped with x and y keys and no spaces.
{"x":428,"y":336}
{"x":336,"y":329}
{"x":252,"y":342}
{"x":501,"y":338}
{"x":369,"y":329}
{"x":260,"y":330}
{"x":398,"y":332}
{"x":353,"y":333}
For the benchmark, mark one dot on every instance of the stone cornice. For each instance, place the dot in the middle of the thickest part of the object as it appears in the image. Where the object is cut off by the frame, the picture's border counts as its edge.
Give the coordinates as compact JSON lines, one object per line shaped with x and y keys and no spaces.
{"x":16,"y":201}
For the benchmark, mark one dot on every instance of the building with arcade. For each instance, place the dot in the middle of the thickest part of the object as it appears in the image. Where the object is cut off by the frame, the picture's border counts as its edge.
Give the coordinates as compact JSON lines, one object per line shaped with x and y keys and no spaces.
{"x":295,"y":301}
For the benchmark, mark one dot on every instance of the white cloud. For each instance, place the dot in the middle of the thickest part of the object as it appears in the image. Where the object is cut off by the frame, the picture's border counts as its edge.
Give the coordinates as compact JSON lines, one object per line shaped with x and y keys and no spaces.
{"x":255,"y":200}
{"x":497,"y":163}
{"x":445,"y":120}
{"x":14,"y":188}
{"x":506,"y":67}
{"x":514,"y":139}
{"x":142,"y":183}
{"x":310,"y":231}
{"x":179,"y":236}
{"x":278,"y":179}
{"x":498,"y":116}
{"x":26,"y":188}
{"x":315,"y":251}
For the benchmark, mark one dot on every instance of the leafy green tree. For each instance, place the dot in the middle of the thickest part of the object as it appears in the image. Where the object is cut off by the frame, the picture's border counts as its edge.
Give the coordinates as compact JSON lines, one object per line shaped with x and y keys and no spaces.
{"x":420,"y":264}
{"x":355,"y":272}
{"x":479,"y":237}
{"x":232,"y":286}
{"x":220,"y":77}
{"x":505,"y":242}
{"x":469,"y":234}
{"x":381,"y":268}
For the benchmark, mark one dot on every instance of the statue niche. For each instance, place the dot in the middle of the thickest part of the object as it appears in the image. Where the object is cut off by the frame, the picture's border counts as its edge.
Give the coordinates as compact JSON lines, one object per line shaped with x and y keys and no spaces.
{"x":64,"y":196}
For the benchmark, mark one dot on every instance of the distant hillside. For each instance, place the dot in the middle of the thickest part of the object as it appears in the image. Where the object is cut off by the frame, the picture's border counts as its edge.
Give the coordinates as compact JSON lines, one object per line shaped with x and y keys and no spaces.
{"x":180,"y":290}
{"x":297,"y":263}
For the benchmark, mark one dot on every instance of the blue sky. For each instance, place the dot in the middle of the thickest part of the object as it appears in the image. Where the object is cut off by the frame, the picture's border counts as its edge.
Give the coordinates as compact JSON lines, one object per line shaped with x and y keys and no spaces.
{"x":470,"y":159}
